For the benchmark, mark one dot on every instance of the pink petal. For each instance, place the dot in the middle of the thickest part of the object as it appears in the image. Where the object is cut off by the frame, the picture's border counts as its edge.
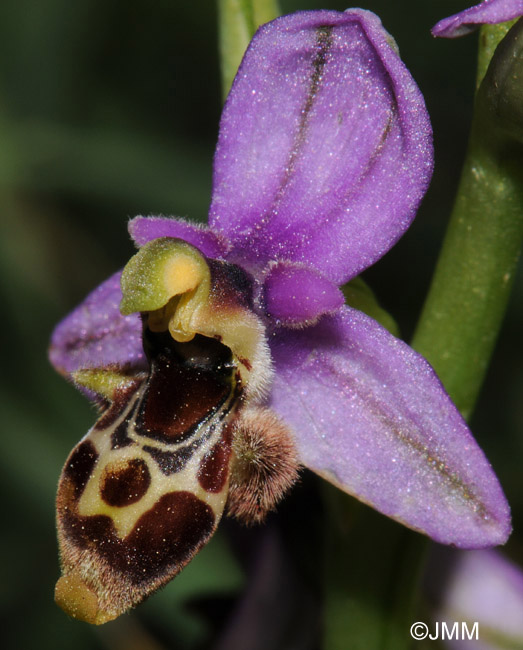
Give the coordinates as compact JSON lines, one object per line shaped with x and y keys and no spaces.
{"x":295,"y":295}
{"x":145,"y":229}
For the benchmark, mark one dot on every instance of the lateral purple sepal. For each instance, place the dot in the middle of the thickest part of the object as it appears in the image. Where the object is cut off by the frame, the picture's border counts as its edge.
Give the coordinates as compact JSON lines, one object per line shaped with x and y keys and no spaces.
{"x":145,"y":229}
{"x":371,"y":416}
{"x":295,"y":295}
{"x":96,"y":335}
{"x":325,"y":146}
{"x":489,"y":12}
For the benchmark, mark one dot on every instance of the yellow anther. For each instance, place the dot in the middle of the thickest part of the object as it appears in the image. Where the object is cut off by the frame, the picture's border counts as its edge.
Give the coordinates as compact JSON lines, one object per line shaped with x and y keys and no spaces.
{"x":182,"y":274}
{"x":164,"y":269}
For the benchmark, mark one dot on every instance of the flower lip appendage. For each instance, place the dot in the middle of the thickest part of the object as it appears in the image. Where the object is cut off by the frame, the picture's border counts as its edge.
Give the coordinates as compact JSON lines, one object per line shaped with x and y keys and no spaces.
{"x":323,"y":157}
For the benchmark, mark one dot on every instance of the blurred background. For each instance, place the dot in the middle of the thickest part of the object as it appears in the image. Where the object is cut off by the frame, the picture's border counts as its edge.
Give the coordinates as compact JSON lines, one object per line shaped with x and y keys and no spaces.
{"x":109,"y":109}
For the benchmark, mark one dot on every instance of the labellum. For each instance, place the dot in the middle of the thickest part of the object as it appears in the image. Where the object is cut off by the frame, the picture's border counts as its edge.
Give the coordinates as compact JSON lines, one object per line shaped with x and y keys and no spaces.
{"x":175,"y":447}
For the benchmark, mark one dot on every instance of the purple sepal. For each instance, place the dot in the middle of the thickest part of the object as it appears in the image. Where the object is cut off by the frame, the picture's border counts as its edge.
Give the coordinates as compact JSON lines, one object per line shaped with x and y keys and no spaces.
{"x":145,"y":229}
{"x":489,"y":12}
{"x":477,"y":586}
{"x":325,"y":146}
{"x":295,"y":295}
{"x":372,"y":417}
{"x":96,"y":335}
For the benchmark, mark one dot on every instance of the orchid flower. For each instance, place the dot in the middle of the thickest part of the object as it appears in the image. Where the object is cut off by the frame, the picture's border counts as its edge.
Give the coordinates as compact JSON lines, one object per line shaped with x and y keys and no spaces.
{"x":224,"y":357}
{"x":488,"y":12}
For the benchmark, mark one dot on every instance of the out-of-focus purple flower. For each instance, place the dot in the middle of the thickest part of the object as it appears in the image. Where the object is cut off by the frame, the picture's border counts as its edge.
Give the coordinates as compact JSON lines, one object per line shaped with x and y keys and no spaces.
{"x":489,"y":12}
{"x":324,"y":155}
{"x":480,"y":587}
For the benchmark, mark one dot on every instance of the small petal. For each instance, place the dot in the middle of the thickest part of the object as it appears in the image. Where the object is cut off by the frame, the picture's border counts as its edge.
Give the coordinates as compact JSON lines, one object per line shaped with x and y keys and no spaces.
{"x":371,"y":416}
{"x":295,"y":295}
{"x":145,"y":229}
{"x":325,"y":146}
{"x":96,"y":334}
{"x":482,"y":587}
{"x":489,"y":12}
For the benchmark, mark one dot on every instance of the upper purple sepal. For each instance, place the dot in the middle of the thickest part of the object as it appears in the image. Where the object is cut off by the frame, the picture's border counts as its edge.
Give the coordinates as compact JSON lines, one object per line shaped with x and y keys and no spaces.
{"x":489,"y":12}
{"x":325,"y":146}
{"x":96,"y":335}
{"x":373,"y":418}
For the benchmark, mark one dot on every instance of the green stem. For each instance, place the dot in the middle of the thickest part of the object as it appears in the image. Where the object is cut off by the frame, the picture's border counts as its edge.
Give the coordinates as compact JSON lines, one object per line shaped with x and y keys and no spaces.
{"x":471,"y":285}
{"x":238,"y":20}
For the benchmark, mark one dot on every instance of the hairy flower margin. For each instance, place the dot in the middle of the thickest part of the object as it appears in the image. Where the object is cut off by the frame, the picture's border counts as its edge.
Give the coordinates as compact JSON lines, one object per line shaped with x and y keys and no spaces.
{"x":323,"y":157}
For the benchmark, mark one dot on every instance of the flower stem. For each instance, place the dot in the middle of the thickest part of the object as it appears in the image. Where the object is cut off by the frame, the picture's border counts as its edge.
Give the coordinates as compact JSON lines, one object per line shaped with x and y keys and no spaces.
{"x":237,"y":22}
{"x":466,"y":303}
